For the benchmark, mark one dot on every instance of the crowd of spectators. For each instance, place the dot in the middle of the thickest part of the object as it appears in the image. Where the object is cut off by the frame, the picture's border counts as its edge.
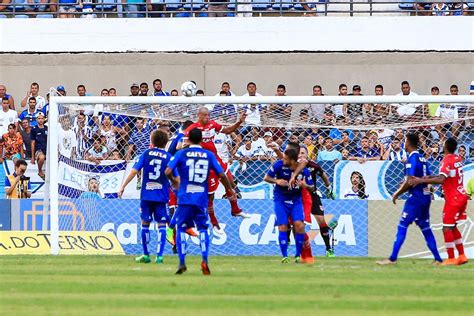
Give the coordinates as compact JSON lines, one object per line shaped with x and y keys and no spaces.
{"x":331,"y":132}
{"x":199,"y":8}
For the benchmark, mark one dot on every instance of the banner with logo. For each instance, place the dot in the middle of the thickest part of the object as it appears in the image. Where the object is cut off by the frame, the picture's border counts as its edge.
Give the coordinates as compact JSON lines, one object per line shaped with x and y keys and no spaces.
{"x":254,"y":236}
{"x":74,"y":176}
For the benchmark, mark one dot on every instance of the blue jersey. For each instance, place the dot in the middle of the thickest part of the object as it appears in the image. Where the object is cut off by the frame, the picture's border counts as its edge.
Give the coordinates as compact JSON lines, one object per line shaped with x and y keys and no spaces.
{"x":280,"y":171}
{"x":417,"y":166}
{"x":193,"y":165}
{"x":155,"y":184}
{"x":175,"y":141}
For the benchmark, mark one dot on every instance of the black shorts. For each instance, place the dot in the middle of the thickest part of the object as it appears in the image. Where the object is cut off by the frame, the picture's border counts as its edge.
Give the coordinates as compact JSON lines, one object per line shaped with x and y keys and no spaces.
{"x":317,"y":207}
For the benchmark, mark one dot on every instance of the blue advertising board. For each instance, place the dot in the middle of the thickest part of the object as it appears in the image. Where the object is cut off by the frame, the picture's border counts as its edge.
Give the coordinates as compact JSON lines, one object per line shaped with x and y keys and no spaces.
{"x":5,"y":215}
{"x":254,"y":236}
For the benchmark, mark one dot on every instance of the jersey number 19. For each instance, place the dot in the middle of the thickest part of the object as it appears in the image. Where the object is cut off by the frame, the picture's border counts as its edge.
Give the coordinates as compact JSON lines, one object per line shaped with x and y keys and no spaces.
{"x":197,"y":170}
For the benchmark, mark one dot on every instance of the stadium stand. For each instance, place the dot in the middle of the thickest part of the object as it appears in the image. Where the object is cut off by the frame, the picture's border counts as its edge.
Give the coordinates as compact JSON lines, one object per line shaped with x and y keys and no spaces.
{"x":200,"y":8}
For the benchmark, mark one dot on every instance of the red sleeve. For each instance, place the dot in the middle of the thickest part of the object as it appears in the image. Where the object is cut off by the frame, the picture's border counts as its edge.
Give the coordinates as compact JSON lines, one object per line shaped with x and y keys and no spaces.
{"x":217,"y":126}
{"x":190,"y":127}
{"x":446,"y":166}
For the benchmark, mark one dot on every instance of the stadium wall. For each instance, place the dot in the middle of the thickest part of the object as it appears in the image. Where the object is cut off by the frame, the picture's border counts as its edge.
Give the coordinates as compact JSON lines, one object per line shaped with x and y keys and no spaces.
{"x":298,"y":71}
{"x":272,"y":34}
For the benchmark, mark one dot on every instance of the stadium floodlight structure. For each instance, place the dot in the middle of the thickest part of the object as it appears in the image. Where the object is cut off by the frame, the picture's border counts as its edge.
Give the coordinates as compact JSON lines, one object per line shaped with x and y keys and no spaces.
{"x":415,"y":114}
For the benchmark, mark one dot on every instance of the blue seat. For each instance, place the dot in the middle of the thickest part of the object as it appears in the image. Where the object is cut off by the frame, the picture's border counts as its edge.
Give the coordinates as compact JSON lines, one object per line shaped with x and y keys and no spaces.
{"x":45,"y":16}
{"x":106,"y":5}
{"x":470,"y":5}
{"x":19,"y":5}
{"x":282,"y":5}
{"x":173,"y":5}
{"x":22,"y":16}
{"x":3,"y":16}
{"x":195,"y":5}
{"x":261,"y":5}
{"x":232,"y":4}
{"x":406,"y":6}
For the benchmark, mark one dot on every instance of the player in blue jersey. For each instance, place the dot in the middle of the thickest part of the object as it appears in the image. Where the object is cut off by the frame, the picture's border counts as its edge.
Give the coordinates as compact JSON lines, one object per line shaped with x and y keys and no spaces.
{"x":154,"y":193}
{"x":417,"y":206}
{"x":193,"y":165}
{"x":288,"y":202}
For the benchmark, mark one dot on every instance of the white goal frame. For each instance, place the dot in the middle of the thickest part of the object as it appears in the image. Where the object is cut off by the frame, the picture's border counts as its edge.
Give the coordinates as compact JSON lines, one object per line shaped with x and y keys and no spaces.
{"x":51,"y":199}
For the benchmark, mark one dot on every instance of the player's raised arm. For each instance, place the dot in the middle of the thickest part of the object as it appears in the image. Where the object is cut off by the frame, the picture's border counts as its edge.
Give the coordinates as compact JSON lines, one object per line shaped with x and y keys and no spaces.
{"x":233,"y":128}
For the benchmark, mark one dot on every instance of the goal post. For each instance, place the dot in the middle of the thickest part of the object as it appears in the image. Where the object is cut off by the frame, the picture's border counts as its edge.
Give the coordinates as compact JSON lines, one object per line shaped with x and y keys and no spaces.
{"x":68,"y":175}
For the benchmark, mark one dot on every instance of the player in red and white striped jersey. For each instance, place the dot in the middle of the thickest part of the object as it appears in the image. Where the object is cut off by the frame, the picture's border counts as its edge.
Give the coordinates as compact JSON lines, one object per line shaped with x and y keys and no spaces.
{"x":451,"y":177}
{"x":209,"y":130}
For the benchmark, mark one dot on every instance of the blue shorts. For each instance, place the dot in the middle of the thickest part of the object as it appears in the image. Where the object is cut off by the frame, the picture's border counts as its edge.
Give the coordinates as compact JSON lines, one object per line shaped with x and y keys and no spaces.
{"x":416,"y":209}
{"x":151,"y":210}
{"x":287,"y":209}
{"x":187,"y":216}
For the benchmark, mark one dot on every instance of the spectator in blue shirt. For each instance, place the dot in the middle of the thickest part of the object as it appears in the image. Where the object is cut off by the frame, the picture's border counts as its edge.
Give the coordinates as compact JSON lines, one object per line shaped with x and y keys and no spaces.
{"x":158,"y":89}
{"x":365,"y":153}
{"x":139,"y":140}
{"x":226,"y":112}
{"x":329,"y":153}
{"x":30,"y":113}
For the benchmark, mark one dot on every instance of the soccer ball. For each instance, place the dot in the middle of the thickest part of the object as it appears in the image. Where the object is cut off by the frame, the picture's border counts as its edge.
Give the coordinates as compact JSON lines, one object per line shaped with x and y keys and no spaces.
{"x":188,"y":89}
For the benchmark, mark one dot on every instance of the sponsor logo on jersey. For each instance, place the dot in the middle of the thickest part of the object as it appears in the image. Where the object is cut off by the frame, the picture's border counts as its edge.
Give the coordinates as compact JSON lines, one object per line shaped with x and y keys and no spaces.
{"x":153,"y":186}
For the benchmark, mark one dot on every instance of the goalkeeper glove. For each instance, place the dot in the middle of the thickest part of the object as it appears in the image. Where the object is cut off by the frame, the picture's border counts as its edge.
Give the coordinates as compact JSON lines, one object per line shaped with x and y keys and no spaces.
{"x":330,"y":194}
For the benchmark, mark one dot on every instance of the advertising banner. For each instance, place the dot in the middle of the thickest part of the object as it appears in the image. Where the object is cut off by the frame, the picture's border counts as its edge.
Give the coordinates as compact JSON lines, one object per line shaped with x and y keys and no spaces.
{"x":70,"y":243}
{"x":254,"y":236}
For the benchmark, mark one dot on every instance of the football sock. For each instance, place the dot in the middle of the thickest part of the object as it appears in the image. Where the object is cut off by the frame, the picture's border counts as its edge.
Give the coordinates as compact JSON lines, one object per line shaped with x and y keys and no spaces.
{"x":431,"y":243}
{"x":181,"y":245}
{"x":458,"y":241}
{"x":299,"y":240}
{"x":204,"y":241}
{"x":449,"y":242}
{"x":306,"y":251}
{"x":145,"y":239}
{"x":325,"y":234}
{"x":397,"y":244}
{"x":161,"y":240}
{"x":283,"y":240}
{"x":233,"y":204}
{"x":212,"y":215}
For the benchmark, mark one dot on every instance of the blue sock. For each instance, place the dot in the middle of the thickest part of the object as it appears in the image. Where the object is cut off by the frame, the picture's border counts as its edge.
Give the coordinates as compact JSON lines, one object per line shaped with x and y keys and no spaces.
{"x":431,"y":243}
{"x":161,"y":240}
{"x":283,"y":240}
{"x":299,"y":240}
{"x":145,"y":239}
{"x":181,"y":245}
{"x":397,"y":244}
{"x":204,"y":239}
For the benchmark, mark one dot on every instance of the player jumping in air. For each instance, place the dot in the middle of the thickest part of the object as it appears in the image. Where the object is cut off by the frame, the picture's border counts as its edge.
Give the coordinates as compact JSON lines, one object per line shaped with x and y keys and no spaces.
{"x":194,"y":165}
{"x":316,"y":205}
{"x":451,"y":177}
{"x":288,"y":201}
{"x":209,"y":130}
{"x":417,"y":206}
{"x":154,"y":194}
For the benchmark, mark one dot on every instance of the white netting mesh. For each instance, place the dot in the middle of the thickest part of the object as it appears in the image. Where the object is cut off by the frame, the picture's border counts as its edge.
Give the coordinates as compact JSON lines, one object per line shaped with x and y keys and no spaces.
{"x":98,"y":144}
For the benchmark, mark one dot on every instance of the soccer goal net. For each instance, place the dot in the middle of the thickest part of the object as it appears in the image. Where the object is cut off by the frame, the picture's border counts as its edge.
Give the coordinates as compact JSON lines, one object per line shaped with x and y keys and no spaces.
{"x":357,"y":140}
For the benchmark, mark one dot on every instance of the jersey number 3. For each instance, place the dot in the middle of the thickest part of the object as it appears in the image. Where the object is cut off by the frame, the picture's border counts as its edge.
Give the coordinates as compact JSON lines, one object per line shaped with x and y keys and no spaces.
{"x":156,"y":165}
{"x":198,"y":170}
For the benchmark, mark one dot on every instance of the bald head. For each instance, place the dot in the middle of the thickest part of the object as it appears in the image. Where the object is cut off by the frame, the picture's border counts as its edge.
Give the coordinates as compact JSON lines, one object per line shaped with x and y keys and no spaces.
{"x":203,"y":115}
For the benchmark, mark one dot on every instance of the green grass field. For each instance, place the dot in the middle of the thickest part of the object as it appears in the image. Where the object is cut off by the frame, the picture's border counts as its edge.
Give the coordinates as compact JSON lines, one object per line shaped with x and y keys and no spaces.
{"x":97,"y":285}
